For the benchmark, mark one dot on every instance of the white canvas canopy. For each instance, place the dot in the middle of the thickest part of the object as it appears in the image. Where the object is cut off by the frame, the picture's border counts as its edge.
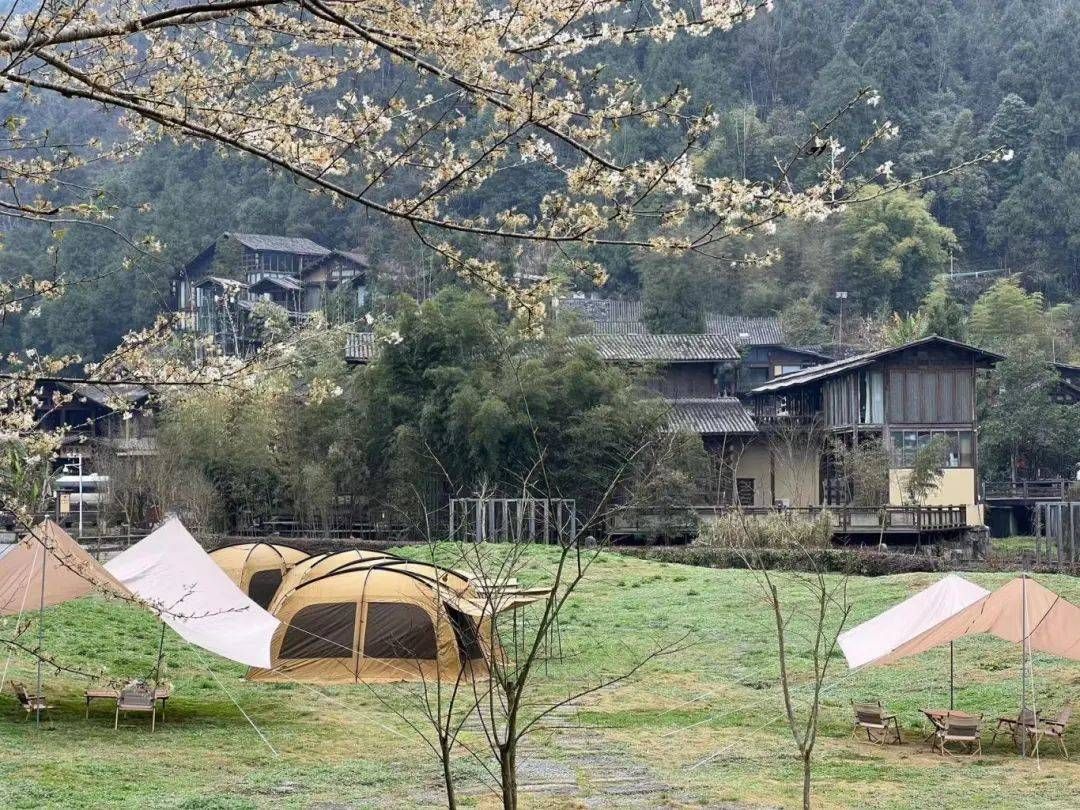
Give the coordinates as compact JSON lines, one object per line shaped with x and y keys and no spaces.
{"x":169,"y":570}
{"x":873,"y":640}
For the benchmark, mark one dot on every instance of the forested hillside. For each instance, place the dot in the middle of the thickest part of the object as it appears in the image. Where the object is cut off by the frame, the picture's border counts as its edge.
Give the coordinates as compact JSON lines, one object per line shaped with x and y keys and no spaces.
{"x":959,"y":76}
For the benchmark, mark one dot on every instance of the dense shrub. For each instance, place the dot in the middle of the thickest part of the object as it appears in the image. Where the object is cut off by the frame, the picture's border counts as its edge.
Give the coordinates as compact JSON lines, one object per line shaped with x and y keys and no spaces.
{"x":860,"y":562}
{"x":775,"y":530}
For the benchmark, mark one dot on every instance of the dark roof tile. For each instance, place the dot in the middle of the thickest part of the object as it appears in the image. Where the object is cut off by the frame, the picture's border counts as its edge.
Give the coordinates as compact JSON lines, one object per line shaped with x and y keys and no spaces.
{"x":711,"y":416}
{"x":815,"y":373}
{"x":661,"y":348}
{"x":298,"y":245}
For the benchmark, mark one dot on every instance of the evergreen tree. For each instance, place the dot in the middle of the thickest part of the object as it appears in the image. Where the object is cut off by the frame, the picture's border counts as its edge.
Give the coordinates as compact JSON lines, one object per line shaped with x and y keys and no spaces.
{"x":894,"y":248}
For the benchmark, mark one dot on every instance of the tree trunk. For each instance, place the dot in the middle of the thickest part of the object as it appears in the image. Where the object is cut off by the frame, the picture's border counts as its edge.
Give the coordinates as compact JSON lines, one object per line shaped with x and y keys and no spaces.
{"x":806,"y":781}
{"x":508,"y":773}
{"x":448,"y":778}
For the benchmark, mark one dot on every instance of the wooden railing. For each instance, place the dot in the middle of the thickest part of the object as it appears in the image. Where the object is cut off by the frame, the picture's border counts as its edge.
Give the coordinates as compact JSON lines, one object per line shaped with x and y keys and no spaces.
{"x":845,"y":519}
{"x":1052,"y":489}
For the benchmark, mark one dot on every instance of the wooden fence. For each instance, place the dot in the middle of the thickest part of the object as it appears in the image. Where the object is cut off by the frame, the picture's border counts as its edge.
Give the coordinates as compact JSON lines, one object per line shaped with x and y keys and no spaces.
{"x":525,"y":520}
{"x":1057,"y":533}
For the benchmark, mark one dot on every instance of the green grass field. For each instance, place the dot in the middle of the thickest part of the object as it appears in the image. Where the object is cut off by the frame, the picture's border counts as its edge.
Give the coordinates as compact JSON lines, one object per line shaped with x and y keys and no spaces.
{"x":715,"y":700}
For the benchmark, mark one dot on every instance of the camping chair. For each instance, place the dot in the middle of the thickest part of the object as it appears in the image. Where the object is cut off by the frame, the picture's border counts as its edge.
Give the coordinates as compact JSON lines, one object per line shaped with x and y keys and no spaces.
{"x":136,"y":697}
{"x":1054,"y":729}
{"x":1015,"y":726}
{"x":876,"y":722}
{"x":963,"y":730}
{"x":31,"y":703}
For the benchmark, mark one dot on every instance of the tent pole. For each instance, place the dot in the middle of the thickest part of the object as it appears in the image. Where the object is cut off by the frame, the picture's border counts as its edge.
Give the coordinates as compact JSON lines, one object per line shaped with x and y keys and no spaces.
{"x":160,"y":657}
{"x":952,"y":673}
{"x":1023,"y":661}
{"x":41,"y":636}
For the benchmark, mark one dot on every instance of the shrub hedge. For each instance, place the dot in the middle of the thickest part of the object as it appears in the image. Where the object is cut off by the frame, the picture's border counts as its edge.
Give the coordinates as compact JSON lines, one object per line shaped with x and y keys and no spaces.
{"x":857,"y":561}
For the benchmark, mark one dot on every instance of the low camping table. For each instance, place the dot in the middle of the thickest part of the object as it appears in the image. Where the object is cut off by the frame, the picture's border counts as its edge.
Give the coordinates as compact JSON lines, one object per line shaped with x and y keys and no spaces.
{"x":162,"y":693}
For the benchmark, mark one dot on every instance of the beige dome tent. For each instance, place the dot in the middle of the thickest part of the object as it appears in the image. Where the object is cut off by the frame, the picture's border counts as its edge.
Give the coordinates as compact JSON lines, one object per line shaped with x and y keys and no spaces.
{"x":319,"y":565}
{"x":378,"y":620}
{"x":258,"y":568}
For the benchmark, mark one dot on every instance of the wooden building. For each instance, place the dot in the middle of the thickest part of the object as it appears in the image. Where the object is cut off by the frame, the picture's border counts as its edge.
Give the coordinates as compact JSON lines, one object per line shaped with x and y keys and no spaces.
{"x":772,"y":417}
{"x":903,"y":397}
{"x":215,"y":291}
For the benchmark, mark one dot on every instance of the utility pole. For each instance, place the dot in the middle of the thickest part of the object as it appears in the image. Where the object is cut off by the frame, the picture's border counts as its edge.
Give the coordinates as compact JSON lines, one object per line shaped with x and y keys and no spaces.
{"x":841,"y":296}
{"x":80,"y":495}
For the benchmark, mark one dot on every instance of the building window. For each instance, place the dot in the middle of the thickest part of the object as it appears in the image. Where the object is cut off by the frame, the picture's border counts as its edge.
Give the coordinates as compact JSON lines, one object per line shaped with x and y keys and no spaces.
{"x":780,"y":370}
{"x":959,"y":447}
{"x":744,"y":489}
{"x":871,"y":398}
{"x":753,"y":376}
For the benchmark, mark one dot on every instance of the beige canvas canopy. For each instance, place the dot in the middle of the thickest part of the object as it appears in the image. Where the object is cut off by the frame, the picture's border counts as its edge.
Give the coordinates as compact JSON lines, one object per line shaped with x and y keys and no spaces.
{"x":1018,"y":610}
{"x":70,"y":571}
{"x":257,"y":569}
{"x":377,"y":620}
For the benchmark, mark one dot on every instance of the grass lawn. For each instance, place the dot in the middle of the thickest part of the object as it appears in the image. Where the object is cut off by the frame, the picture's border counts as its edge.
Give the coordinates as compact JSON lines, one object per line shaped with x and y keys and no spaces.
{"x":715,"y":703}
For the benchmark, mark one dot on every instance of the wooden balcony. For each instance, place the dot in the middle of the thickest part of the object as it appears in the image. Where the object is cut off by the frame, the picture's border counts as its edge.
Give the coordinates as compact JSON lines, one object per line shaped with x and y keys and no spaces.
{"x":1051,"y":489}
{"x":863,"y":519}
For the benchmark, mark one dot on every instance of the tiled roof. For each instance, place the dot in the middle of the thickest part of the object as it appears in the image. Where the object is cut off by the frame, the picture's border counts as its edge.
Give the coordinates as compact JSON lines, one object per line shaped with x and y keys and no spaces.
{"x":607,"y":316}
{"x":661,"y":348}
{"x":360,"y":347}
{"x":611,"y":317}
{"x":298,"y":245}
{"x":285,"y":282}
{"x":109,"y":395}
{"x":222,"y":282}
{"x":746,"y":331}
{"x":711,"y":416}
{"x":353,"y":256}
{"x":814,"y":373}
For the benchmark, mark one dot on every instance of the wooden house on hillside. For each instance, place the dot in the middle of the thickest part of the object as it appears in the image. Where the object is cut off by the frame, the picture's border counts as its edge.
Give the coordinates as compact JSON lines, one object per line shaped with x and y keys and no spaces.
{"x":903,"y":397}
{"x":215,"y":292}
{"x":780,"y":443}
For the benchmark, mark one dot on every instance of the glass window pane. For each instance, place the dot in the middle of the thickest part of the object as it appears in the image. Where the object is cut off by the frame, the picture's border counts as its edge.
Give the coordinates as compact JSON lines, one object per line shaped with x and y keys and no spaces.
{"x":952,"y":449}
{"x":911,"y":443}
{"x":896,"y":441}
{"x":967,"y":449}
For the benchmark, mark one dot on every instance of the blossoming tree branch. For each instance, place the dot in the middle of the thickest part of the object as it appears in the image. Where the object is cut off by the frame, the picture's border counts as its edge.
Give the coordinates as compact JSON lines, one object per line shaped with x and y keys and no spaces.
{"x":408,"y":108}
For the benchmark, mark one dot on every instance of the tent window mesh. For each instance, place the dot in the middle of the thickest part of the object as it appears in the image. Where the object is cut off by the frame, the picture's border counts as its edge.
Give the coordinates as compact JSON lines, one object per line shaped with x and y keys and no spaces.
{"x":263,"y":585}
{"x":395,"y":630}
{"x":321,"y":631}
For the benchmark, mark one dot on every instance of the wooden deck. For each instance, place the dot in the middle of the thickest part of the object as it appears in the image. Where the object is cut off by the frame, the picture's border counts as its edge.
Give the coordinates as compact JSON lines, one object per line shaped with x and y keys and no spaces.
{"x":1019,"y":492}
{"x":676,"y":524}
{"x":865,"y":520}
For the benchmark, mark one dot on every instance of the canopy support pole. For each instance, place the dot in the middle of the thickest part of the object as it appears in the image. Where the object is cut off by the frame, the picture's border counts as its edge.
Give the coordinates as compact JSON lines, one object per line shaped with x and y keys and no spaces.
{"x":1024,"y":653}
{"x":952,"y":672}
{"x":160,"y":657}
{"x":41,"y":635}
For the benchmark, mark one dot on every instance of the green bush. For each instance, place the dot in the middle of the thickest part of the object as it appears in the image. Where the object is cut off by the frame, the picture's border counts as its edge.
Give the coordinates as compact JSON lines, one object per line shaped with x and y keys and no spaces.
{"x":861,"y":562}
{"x":774,"y":530}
